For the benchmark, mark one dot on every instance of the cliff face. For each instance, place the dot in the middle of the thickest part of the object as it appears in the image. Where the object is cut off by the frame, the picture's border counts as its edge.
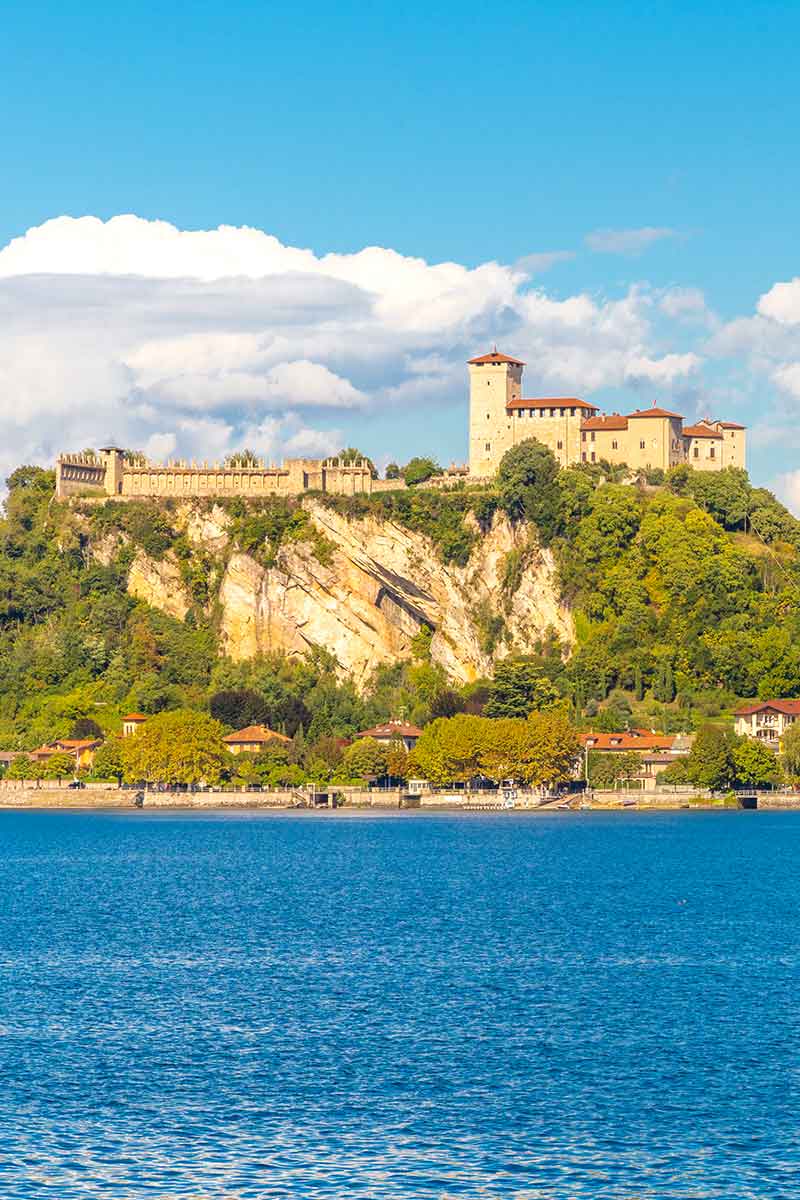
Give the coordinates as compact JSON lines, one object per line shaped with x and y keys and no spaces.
{"x":382,"y":585}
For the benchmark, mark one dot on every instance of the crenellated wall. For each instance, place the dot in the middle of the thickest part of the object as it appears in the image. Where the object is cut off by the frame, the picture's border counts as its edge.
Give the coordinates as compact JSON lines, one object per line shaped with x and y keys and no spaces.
{"x":113,"y":476}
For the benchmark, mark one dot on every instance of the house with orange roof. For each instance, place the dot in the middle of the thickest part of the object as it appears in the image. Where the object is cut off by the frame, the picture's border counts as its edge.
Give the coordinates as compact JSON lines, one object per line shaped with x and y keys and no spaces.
{"x":252,"y":739}
{"x":766,"y":720}
{"x":132,"y":723}
{"x":82,"y":750}
{"x":394,"y":731}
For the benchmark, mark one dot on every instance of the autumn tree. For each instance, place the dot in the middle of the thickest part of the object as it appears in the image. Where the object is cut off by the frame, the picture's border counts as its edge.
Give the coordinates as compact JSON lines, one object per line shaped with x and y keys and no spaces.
{"x":181,"y":746}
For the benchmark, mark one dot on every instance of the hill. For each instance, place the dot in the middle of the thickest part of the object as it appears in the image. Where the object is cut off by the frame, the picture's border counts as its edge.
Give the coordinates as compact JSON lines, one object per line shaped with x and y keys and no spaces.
{"x":666,"y":600}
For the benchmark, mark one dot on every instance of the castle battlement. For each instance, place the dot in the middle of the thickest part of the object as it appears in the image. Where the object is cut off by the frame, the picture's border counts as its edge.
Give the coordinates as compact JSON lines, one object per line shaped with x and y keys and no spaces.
{"x":110,"y":473}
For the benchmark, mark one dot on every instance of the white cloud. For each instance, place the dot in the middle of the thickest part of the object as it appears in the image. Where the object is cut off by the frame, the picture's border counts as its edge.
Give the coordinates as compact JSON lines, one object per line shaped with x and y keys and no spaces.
{"x":536,"y":264}
{"x":626,"y":241}
{"x":787,"y":489}
{"x":662,"y":371}
{"x":198,"y":342}
{"x":787,"y":378}
{"x":782,"y":303}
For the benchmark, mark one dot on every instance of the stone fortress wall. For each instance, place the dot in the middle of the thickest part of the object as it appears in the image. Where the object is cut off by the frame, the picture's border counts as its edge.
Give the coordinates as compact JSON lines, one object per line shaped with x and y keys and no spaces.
{"x":108,"y":473}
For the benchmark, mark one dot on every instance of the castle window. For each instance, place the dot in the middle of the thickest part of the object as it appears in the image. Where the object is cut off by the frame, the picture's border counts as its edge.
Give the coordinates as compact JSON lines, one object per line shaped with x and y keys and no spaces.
{"x":711,"y":453}
{"x":583,"y":456}
{"x":593,"y":456}
{"x":560,"y":445}
{"x":614,"y":445}
{"x":697,"y":452}
{"x":572,"y":412}
{"x":488,"y":447}
{"x":641,"y":445}
{"x":592,"y":435}
{"x":583,"y":435}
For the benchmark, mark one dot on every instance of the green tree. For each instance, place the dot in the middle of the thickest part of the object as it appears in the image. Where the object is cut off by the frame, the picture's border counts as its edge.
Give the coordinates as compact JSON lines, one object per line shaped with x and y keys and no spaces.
{"x":755,"y":765}
{"x":527,"y":486}
{"x":23,"y":767}
{"x":108,"y":760}
{"x":710,"y":762}
{"x":365,"y":758}
{"x":181,"y":746}
{"x":392,"y":471}
{"x":606,"y":770}
{"x":420,"y":470}
{"x":243,"y":458}
{"x":519,"y":686}
{"x":675,"y":774}
{"x":790,"y":751}
{"x":239,"y":708}
{"x":549,"y":749}
{"x":85,"y":728}
{"x":59,"y":766}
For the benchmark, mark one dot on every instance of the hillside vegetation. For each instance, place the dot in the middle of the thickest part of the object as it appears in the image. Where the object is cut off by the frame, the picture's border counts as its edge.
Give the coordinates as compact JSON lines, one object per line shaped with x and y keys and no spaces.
{"x":684,"y":591}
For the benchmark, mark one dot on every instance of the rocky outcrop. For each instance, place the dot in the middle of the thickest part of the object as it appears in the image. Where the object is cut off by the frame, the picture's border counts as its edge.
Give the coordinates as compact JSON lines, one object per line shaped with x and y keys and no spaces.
{"x":383,"y":584}
{"x":158,"y":582}
{"x":380,"y":587}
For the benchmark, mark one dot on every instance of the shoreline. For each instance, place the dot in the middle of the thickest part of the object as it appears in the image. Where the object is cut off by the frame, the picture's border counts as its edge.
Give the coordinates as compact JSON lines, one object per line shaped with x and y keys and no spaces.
{"x":208,"y":805}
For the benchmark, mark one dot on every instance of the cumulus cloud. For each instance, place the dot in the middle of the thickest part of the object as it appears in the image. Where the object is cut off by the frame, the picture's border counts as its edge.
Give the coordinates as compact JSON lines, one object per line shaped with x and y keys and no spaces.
{"x":782,"y":303}
{"x":663,"y":371}
{"x":626,"y":241}
{"x":198,"y":342}
{"x":787,"y":378}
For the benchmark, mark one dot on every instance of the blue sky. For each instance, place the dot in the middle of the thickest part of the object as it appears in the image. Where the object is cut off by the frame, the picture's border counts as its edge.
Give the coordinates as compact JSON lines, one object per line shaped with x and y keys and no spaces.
{"x":651,"y":149}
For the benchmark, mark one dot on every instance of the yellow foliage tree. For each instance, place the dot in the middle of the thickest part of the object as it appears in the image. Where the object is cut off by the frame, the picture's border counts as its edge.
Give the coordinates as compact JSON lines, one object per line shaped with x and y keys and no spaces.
{"x":176,"y":747}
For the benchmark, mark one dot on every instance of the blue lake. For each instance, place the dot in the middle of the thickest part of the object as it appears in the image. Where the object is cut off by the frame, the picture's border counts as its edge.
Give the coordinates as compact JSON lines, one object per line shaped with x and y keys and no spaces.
{"x":333,"y":1005}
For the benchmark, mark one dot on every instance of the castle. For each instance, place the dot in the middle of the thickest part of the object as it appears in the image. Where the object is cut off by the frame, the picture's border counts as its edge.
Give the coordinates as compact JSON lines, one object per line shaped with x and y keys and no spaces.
{"x":577,"y":432}
{"x":111,"y":472}
{"x":499,"y":418}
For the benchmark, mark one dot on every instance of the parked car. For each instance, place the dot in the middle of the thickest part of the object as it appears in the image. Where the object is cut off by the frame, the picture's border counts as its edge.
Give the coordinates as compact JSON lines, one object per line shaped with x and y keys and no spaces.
{"x":76,"y":783}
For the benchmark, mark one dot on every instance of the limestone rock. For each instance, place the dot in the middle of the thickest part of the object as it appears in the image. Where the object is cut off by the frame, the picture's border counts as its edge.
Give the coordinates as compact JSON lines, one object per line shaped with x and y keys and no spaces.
{"x":158,"y":582}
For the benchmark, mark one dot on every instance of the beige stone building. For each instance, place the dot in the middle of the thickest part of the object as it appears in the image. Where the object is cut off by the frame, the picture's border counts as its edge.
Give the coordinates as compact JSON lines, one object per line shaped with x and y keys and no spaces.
{"x":576,"y":431}
{"x":767,"y":721}
{"x":110,"y":473}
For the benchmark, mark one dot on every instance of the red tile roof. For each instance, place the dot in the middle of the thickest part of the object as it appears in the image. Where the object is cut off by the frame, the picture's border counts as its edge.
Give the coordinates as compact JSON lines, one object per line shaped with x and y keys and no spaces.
{"x":731,"y":425}
{"x":788,"y":707}
{"x":627,"y":741}
{"x":494,"y":357}
{"x":135,"y":717}
{"x":552,"y":402}
{"x":700,"y":431}
{"x":392,"y":729}
{"x":77,"y":743}
{"x":615,"y":421}
{"x":655,"y":412}
{"x":254,"y":733}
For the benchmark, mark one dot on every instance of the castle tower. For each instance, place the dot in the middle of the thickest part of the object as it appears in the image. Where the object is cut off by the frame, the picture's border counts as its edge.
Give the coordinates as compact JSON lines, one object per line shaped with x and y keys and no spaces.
{"x":114,"y":460}
{"x":495,"y":380}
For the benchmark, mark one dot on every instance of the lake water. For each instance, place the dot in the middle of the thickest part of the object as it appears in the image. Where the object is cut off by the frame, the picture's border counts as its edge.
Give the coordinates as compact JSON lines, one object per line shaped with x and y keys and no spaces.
{"x":333,"y":1005}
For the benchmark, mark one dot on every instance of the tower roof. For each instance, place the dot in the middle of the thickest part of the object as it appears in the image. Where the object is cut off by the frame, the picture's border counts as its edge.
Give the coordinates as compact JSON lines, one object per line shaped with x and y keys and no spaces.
{"x":495,"y":358}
